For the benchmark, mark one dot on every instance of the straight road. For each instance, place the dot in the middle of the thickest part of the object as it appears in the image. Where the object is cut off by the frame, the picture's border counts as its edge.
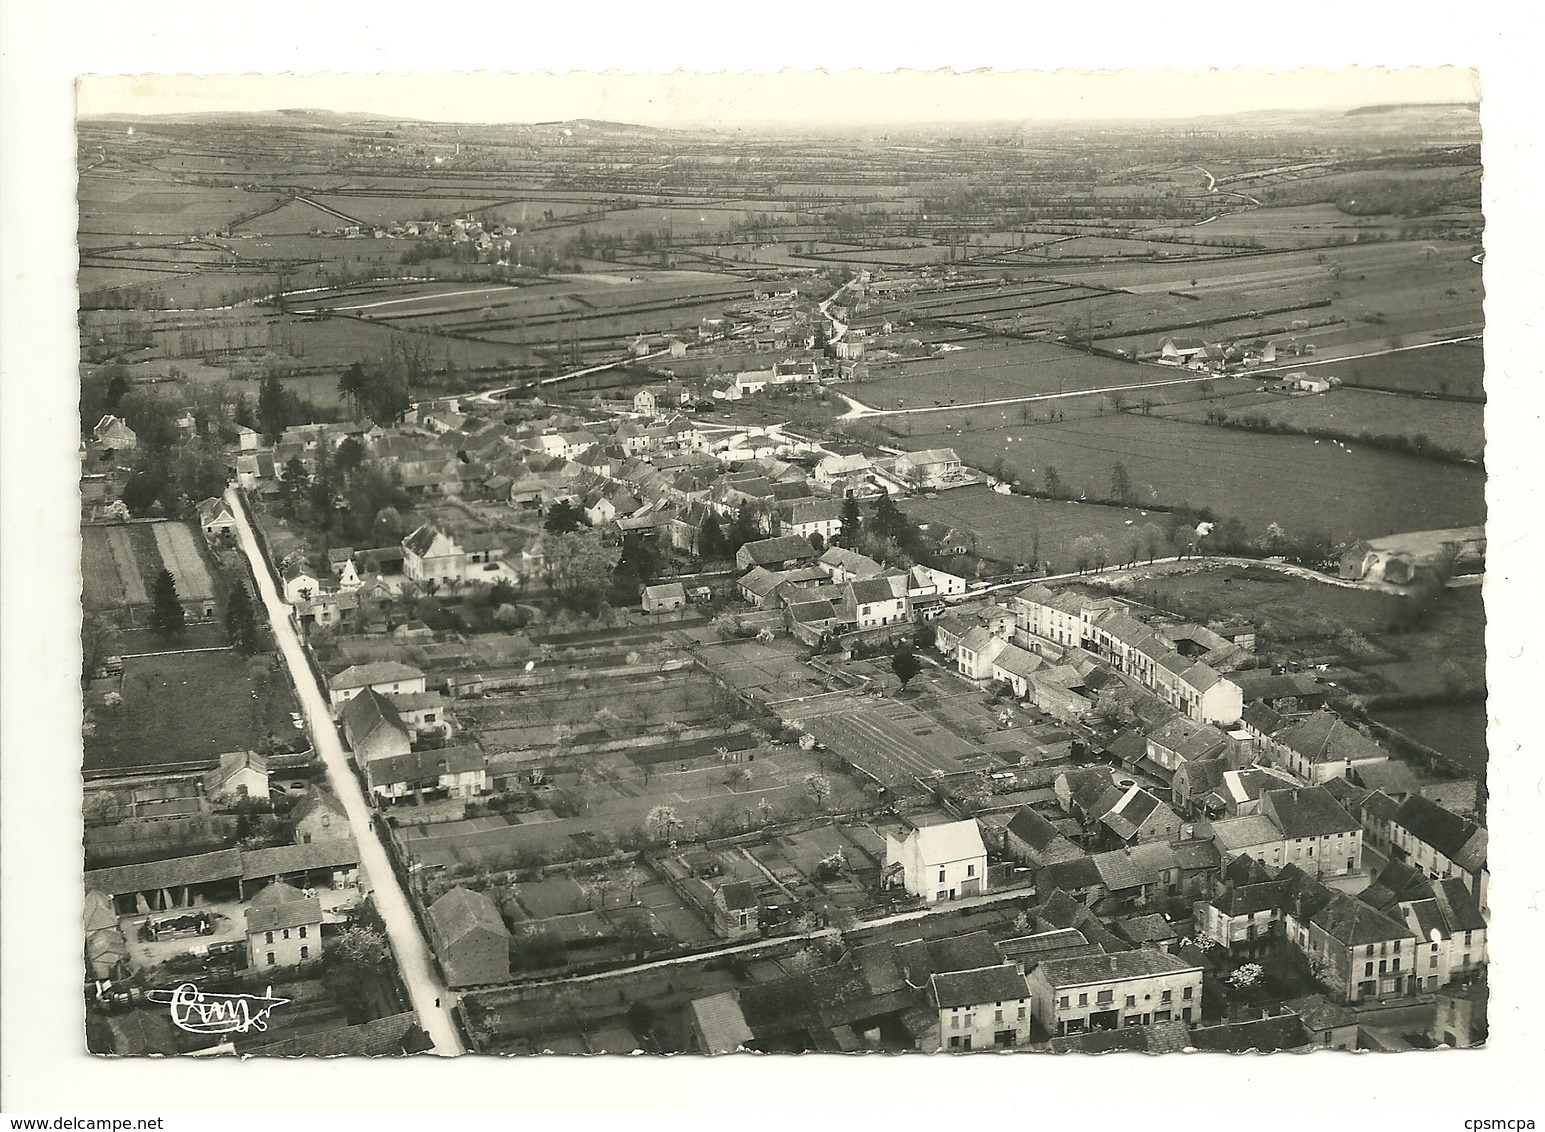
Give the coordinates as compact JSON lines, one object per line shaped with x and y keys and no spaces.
{"x":430,"y":998}
{"x":857,"y":409}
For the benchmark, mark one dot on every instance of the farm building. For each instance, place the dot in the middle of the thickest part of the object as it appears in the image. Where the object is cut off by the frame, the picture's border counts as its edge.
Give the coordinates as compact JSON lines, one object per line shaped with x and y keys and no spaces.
{"x":666,"y":598}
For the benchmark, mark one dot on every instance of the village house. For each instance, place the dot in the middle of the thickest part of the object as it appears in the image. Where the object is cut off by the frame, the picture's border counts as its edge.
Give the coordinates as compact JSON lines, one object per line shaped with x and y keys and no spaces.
{"x":876,"y":602}
{"x":373,"y":728}
{"x":1330,"y":1025}
{"x":470,"y":938}
{"x":1255,"y":835}
{"x":389,"y":677}
{"x":114,"y":434}
{"x":1032,"y":840}
{"x":301,"y":583}
{"x":982,"y":1009}
{"x":1362,"y":953}
{"x":446,"y":772}
{"x":241,"y":775}
{"x":806,"y":517}
{"x":843,"y":473}
{"x":1320,"y":747}
{"x":777,"y":553}
{"x":430,"y":555}
{"x":1441,"y":843}
{"x":1450,"y":933}
{"x":939,"y":862}
{"x":284,"y":927}
{"x":1318,"y":835}
{"x":1016,"y":668}
{"x":736,"y":911}
{"x":929,"y":469}
{"x":319,"y":816}
{"x":1110,"y":992}
{"x":844,"y":565}
{"x":215,"y":518}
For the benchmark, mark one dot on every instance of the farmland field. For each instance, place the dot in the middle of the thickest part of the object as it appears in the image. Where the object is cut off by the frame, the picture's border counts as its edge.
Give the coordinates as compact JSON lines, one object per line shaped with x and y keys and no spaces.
{"x":1015,"y":528}
{"x":1455,"y":425}
{"x":1458,"y":370}
{"x":120,"y":562}
{"x":1355,"y":491}
{"x":987,"y":370}
{"x":180,"y":554}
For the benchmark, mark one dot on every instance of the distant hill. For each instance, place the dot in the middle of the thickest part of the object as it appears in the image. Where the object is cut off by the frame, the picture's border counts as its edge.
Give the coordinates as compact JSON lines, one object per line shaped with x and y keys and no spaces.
{"x":1417,"y":107}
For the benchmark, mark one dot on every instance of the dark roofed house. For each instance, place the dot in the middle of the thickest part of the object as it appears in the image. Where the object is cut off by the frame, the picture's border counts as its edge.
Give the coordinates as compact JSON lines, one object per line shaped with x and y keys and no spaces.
{"x":1330,"y":1025}
{"x":373,"y":728}
{"x":1032,"y":840}
{"x":284,"y":927}
{"x":777,"y":553}
{"x":984,"y":1008}
{"x":736,"y":910}
{"x":1262,"y":1035}
{"x":1318,"y":834}
{"x":470,"y":938}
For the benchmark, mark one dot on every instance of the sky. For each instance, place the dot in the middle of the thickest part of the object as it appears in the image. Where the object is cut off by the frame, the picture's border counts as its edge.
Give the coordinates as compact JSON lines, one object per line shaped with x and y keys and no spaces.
{"x":849,"y":97}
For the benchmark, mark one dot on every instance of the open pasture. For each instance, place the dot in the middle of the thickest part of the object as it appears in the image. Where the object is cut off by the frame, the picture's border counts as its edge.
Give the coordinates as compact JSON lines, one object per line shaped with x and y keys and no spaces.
{"x":1259,"y":478}
{"x":1457,"y":370}
{"x":987,"y":369}
{"x":186,"y":709}
{"x":1012,"y":529}
{"x":1455,"y":425}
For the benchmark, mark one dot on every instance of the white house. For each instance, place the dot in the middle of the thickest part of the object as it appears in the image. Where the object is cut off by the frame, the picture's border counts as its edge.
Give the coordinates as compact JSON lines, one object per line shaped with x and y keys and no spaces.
{"x":982,"y":1009}
{"x":389,"y":677}
{"x":214,"y":516}
{"x":940,"y":862}
{"x":875,"y":602}
{"x":1108,"y":992}
{"x":928,"y":469}
{"x":300,"y":583}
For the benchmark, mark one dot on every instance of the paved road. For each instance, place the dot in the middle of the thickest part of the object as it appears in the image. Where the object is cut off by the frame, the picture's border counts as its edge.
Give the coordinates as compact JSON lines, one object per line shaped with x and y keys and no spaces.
{"x":857,"y":409}
{"x":430,"y":998}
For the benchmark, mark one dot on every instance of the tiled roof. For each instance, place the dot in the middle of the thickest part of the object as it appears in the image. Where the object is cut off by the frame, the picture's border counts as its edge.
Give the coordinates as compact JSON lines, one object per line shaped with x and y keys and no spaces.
{"x":985,"y":985}
{"x":1141,"y":963}
{"x":1320,"y":1013}
{"x":1054,"y":944}
{"x":1432,"y":825}
{"x":1264,"y":1035}
{"x":1071,"y":875}
{"x":1352,"y":923}
{"x":721,"y":1023}
{"x":462,"y":911}
{"x":1031,"y":828}
{"x":381,"y":672}
{"x":1234,"y":834}
{"x":286,"y":860}
{"x":425,"y":766}
{"x":1307,"y":811}
{"x":201,"y":868}
{"x":368,"y":711}
{"x":919,"y":959}
{"x":1149,"y":928}
{"x":273,"y":917}
{"x":1324,"y":738}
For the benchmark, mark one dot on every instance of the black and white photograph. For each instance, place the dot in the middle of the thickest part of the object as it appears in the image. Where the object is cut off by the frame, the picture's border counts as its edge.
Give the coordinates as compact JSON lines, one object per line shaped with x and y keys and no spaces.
{"x":949,"y":586}
{"x":628,"y":573}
